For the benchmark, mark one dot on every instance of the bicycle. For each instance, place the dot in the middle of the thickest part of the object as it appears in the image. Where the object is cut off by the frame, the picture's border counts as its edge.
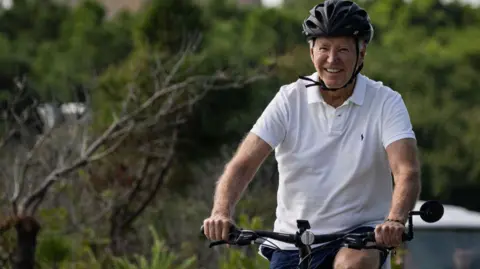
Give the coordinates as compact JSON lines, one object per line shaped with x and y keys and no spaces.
{"x":430,"y":211}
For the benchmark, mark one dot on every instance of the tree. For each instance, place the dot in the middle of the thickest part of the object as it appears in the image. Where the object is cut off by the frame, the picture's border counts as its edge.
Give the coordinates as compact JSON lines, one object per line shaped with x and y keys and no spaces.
{"x":62,"y":150}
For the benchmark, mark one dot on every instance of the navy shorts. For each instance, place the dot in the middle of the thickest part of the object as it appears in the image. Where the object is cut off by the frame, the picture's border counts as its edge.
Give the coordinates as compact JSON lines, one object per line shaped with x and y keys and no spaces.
{"x":322,"y":257}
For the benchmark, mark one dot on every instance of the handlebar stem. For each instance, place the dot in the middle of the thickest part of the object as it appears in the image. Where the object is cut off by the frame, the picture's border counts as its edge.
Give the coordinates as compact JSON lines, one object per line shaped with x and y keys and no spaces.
{"x":304,"y":250}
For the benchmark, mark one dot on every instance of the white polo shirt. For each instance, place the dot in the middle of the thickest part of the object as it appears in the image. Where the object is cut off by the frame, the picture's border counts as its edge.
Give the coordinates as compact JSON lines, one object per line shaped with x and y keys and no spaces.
{"x":332,"y":163}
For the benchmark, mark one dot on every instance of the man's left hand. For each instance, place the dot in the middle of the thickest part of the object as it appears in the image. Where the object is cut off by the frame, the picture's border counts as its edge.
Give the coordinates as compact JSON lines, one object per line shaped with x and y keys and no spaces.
{"x":389,"y":234}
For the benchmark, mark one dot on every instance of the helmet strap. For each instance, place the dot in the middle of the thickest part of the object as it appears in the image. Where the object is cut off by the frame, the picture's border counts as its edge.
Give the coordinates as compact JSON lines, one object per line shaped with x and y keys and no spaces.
{"x":322,"y":85}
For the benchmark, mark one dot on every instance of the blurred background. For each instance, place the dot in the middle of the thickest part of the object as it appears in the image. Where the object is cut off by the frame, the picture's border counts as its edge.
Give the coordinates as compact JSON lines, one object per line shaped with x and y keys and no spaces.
{"x":119,"y":116}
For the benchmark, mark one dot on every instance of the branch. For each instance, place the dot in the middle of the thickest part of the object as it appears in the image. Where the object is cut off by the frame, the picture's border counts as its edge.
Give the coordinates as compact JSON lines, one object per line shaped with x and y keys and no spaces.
{"x":135,"y":190}
{"x":19,"y":178}
{"x":183,"y":55}
{"x":128,"y":122}
{"x":40,"y":192}
{"x":6,"y":138}
{"x":159,"y":181}
{"x":112,"y":148}
{"x":79,"y":225}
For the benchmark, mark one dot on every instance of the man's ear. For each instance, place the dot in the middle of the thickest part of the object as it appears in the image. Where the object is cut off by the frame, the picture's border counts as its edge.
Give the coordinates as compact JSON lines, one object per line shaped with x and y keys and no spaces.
{"x":363,"y":50}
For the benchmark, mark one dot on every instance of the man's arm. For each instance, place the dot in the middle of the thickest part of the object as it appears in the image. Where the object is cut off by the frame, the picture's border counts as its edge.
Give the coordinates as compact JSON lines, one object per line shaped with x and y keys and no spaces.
{"x":268,"y":132}
{"x":238,"y":173}
{"x":403,"y":159}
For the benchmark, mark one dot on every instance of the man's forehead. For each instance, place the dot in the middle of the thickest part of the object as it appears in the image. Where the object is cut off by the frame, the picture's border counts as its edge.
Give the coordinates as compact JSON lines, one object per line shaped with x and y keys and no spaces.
{"x":335,"y":40}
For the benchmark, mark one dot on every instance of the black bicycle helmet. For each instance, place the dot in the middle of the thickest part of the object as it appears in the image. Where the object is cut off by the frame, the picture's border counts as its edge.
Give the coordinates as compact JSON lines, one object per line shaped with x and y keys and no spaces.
{"x":336,"y":18}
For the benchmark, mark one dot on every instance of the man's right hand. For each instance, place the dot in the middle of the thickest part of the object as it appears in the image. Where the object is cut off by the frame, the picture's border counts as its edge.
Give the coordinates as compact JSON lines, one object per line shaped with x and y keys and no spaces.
{"x":216,"y":227}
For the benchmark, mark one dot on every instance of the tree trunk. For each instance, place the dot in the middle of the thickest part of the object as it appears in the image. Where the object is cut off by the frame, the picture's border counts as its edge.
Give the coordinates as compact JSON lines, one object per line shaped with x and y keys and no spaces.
{"x":27,"y":231}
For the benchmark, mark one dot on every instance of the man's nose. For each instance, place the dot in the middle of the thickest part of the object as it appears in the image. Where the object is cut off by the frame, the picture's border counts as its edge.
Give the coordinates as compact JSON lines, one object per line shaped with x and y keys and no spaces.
{"x":332,"y":56}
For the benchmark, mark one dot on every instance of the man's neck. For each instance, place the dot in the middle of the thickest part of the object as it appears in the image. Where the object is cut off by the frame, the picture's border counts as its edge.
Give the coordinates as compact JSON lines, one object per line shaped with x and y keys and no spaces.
{"x":338,"y":97}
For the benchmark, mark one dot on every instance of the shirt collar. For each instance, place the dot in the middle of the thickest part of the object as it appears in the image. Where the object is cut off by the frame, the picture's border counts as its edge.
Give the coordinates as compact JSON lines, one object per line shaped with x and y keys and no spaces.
{"x":358,"y":96}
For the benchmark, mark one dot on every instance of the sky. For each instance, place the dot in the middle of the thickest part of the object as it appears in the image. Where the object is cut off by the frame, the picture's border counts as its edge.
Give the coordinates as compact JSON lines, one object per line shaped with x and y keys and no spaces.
{"x":271,"y":2}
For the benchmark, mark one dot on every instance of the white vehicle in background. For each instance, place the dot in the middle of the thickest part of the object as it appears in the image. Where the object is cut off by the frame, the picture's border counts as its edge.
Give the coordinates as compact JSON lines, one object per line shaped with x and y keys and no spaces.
{"x":453,"y":242}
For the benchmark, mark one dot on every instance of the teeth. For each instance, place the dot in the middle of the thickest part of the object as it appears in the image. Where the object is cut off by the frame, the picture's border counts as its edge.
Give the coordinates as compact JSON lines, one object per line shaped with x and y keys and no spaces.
{"x":333,"y":70}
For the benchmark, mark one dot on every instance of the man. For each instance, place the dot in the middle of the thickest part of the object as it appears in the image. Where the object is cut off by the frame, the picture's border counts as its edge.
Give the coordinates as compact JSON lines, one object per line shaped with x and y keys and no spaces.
{"x":338,"y":137}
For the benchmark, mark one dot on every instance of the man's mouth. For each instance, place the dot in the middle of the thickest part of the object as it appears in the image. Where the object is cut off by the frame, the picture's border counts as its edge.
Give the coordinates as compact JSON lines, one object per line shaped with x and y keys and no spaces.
{"x":332,"y":70}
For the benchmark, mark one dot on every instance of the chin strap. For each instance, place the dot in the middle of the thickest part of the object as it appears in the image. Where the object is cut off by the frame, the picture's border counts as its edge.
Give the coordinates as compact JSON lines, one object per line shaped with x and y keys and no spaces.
{"x":322,"y":85}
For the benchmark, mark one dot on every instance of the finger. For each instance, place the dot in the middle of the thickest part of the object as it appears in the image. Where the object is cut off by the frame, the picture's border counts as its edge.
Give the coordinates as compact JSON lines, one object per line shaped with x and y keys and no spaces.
{"x":384,"y":235}
{"x":389,"y":236}
{"x":378,"y":235}
{"x":206,"y":229}
{"x":221,"y":230}
{"x":400,"y":236}
{"x":218,"y":229}
{"x":213,"y":231}
{"x":225,"y":230}
{"x":395,"y":235}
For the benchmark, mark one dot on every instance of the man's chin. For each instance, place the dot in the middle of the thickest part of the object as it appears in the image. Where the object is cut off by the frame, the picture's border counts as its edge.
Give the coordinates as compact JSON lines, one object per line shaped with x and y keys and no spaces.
{"x":333,"y":84}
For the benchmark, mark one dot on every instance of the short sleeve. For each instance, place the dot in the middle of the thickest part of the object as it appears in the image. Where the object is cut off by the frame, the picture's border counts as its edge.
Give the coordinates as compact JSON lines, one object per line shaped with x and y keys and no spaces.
{"x":271,"y":126}
{"x":396,"y":122}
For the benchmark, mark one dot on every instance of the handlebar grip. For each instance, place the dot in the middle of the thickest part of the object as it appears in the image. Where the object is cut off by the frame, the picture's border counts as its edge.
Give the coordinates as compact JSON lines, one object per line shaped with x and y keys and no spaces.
{"x":216,"y":243}
{"x":370,"y":236}
{"x":232,"y":234}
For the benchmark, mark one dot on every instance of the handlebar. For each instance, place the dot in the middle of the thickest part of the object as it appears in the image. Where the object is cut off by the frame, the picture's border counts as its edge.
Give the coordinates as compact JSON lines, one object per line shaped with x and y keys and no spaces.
{"x":430,"y":211}
{"x":241,"y":237}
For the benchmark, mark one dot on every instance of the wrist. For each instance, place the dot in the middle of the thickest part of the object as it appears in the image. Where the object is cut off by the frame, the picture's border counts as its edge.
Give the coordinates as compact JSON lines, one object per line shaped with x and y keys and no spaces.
{"x":397,"y":220}
{"x":397,"y":217}
{"x":221,"y":212}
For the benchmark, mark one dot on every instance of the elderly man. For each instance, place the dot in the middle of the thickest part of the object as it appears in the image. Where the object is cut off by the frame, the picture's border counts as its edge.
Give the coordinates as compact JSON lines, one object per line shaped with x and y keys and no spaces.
{"x":338,"y":138}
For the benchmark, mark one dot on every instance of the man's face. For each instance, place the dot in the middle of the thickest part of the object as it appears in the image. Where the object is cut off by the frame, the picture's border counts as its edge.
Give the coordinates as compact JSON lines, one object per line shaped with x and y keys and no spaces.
{"x":334,"y":59}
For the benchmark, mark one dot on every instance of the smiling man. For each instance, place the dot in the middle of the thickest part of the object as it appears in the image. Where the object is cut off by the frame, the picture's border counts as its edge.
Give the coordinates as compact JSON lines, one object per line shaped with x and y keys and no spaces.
{"x":338,"y":137}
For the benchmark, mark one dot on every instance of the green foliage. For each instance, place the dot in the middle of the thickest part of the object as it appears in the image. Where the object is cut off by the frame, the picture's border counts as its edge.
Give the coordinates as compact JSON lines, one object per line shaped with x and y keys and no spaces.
{"x":54,"y":218}
{"x":64,"y":66}
{"x":426,"y":54}
{"x":168,"y":23}
{"x":52,"y":250}
{"x":55,"y":251}
{"x":160,"y":258}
